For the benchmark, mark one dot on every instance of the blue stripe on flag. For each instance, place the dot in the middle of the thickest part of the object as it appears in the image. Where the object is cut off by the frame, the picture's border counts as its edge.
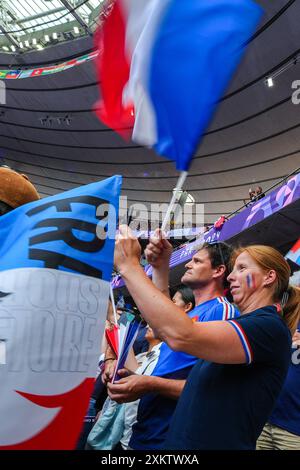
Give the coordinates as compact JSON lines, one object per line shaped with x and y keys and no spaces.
{"x":198,"y":47}
{"x":59,"y":232}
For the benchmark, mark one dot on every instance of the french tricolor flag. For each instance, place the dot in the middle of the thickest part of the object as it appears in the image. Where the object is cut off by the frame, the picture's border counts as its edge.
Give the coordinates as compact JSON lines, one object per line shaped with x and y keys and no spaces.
{"x":164,"y":65}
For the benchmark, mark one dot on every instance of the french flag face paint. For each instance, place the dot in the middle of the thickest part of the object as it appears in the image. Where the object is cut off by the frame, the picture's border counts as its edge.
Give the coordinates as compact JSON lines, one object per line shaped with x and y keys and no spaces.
{"x":294,"y":253}
{"x":251,"y":284}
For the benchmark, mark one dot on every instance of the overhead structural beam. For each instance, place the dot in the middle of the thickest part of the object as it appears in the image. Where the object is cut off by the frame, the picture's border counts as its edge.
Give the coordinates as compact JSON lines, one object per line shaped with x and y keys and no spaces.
{"x":9,"y":37}
{"x":38,"y":16}
{"x":76,"y":16}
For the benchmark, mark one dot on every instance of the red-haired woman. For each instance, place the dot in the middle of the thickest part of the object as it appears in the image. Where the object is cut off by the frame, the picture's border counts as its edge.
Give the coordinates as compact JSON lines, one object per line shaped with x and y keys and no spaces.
{"x":233,"y":388}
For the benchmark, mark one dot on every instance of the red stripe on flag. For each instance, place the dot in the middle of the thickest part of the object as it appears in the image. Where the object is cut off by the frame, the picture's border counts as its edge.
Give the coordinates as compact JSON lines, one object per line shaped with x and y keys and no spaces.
{"x":113,"y":69}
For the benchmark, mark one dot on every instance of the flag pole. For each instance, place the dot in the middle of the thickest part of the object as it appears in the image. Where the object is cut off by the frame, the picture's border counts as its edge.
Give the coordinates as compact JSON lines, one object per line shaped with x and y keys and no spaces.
{"x":179,"y":185}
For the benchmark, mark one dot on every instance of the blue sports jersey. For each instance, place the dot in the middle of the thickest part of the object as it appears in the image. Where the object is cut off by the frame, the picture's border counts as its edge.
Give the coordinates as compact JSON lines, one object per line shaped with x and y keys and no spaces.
{"x":286,"y":413}
{"x":225,"y":406}
{"x":155,"y":411}
{"x":214,"y":310}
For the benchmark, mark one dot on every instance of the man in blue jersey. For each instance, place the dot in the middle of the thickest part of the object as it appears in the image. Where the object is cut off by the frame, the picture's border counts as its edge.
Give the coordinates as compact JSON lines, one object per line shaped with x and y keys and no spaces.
{"x":206,"y":274}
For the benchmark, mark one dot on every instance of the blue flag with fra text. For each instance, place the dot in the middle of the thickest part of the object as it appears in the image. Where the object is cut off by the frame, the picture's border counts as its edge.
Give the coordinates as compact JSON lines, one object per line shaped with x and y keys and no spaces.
{"x":56,"y":259}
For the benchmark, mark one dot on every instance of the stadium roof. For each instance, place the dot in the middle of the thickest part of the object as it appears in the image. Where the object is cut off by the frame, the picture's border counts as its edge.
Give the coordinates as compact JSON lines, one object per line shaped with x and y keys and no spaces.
{"x":35,"y":21}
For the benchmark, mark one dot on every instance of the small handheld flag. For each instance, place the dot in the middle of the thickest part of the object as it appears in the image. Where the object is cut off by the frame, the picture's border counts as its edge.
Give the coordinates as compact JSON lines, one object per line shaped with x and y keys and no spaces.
{"x":129,"y":327}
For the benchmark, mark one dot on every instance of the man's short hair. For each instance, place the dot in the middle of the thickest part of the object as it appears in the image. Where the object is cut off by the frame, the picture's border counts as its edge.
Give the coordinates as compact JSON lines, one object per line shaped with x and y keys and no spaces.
{"x":219,"y":254}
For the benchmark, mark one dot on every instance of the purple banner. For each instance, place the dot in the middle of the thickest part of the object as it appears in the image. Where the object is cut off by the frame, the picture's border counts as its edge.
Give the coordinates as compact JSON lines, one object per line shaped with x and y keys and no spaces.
{"x":269,"y":205}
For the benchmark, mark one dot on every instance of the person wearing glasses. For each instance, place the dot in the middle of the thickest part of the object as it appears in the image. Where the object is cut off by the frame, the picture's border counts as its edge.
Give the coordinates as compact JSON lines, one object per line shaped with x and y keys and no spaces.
{"x":15,"y":190}
{"x":243,"y":362}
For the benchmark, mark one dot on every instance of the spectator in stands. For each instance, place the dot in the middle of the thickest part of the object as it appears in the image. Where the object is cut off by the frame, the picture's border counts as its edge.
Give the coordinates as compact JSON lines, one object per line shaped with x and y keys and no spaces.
{"x":184,"y":298}
{"x":15,"y":190}
{"x":206,"y":275}
{"x":259,"y":193}
{"x":156,"y":391}
{"x":282,"y":432}
{"x":224,"y":404}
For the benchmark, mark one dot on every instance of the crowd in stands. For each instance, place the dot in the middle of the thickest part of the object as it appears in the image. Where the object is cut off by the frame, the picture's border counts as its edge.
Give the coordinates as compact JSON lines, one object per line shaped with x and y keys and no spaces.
{"x":216,"y":366}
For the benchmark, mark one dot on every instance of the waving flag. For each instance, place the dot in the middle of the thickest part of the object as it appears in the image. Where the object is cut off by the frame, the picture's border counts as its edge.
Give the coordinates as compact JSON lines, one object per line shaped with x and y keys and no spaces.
{"x":294,"y":253}
{"x":55,"y":266}
{"x":164,"y":64}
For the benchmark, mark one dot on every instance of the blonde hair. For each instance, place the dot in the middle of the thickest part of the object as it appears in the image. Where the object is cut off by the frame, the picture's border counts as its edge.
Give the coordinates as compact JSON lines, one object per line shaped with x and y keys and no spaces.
{"x":267,"y":258}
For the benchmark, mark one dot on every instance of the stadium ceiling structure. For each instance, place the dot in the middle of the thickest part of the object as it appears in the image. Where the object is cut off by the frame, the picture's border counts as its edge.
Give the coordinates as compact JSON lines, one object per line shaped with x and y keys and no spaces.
{"x":49,"y":131}
{"x":35,"y":24}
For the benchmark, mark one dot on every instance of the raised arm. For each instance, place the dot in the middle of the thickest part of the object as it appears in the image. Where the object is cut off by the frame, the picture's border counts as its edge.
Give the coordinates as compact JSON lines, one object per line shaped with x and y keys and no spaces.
{"x":213,"y":341}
